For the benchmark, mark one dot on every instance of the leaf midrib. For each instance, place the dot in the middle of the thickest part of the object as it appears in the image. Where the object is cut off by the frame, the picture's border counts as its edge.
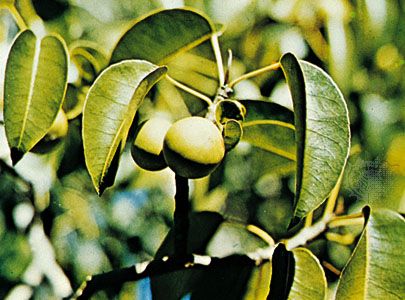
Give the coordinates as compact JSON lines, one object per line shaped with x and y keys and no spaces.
{"x":35,"y":64}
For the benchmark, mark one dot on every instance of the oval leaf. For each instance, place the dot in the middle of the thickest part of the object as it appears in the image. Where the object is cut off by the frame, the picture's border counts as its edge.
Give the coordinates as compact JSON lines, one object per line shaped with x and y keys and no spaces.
{"x":322,"y":132}
{"x":311,"y":287}
{"x":376,"y":269}
{"x":160,"y":36}
{"x":268,"y":127}
{"x":290,"y":278}
{"x":34,"y":88}
{"x":108,"y":113}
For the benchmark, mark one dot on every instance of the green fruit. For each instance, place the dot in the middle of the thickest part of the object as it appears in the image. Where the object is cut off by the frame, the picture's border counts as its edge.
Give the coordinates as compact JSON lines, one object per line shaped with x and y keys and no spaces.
{"x":193,"y":147}
{"x":53,"y":137}
{"x":148,"y":144}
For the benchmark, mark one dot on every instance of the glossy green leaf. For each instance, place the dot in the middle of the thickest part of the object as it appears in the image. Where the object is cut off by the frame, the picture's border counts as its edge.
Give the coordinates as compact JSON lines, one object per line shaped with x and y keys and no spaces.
{"x":311,"y":287}
{"x":34,"y":88}
{"x":110,"y":107}
{"x":322,"y":132}
{"x":162,"y":35}
{"x":376,"y":269}
{"x":268,"y":126}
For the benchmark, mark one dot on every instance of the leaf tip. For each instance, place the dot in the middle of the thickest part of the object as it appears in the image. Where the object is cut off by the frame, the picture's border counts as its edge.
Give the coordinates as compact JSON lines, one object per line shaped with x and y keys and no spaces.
{"x":16,"y":155}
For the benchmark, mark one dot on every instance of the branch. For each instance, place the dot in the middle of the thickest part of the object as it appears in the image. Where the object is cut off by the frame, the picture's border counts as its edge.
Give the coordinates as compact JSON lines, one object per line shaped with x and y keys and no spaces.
{"x":164,"y":266}
{"x":181,"y":219}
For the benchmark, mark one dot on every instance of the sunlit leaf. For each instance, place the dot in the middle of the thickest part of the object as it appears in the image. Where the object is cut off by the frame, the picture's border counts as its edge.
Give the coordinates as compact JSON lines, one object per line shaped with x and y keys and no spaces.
{"x":259,"y":283}
{"x":322,"y":132}
{"x":268,"y":126}
{"x":108,"y":113}
{"x":376,"y":269}
{"x":162,"y":35}
{"x":34,"y":88}
{"x":311,"y":287}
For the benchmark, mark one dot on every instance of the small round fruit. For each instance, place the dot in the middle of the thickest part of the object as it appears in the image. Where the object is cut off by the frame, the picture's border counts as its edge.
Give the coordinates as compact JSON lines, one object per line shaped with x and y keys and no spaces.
{"x":58,"y":130}
{"x":193,"y":147}
{"x":148,"y":144}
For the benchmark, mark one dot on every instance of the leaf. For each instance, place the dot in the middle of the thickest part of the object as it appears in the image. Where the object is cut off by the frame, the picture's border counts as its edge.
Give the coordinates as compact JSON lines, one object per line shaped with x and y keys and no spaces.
{"x":376,"y":269}
{"x":322,"y":132}
{"x":258,"y":286}
{"x":307,"y":287}
{"x":268,"y":126}
{"x":232,"y":133}
{"x":160,"y":36}
{"x":282,"y":273}
{"x":110,"y":107}
{"x":290,"y":275}
{"x":34,"y":88}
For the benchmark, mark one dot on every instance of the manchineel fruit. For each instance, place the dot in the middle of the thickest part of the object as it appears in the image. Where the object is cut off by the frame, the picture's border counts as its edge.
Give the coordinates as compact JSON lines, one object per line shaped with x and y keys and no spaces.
{"x":147,"y":147}
{"x":193,"y":147}
{"x":54,"y":136}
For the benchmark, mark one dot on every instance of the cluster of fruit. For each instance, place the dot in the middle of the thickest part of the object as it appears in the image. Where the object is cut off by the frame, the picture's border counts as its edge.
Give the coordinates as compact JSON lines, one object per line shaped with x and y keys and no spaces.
{"x":192,"y":147}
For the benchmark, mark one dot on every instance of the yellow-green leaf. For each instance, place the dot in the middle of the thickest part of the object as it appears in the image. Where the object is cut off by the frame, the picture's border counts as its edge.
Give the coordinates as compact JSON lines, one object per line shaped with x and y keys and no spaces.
{"x":110,"y":107}
{"x":321,"y":131}
{"x":376,"y":269}
{"x":162,"y":35}
{"x":34,"y":88}
{"x":311,"y":287}
{"x":268,"y":126}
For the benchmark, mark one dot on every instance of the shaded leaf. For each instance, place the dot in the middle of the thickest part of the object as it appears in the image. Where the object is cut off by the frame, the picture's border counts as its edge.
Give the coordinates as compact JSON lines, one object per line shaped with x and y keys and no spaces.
{"x":160,"y":36}
{"x":304,"y":286}
{"x":268,"y":126}
{"x":322,"y":132}
{"x":232,"y":133}
{"x":108,"y":113}
{"x":34,"y":88}
{"x":376,"y":269}
{"x":283,"y":265}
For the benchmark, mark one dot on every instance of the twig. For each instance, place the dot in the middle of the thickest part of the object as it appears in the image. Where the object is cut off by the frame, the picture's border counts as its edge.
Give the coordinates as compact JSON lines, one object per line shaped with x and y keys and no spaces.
{"x":181,"y":218}
{"x":272,"y":67}
{"x":189,"y":90}
{"x":308,"y":233}
{"x":17,"y":17}
{"x":163,"y":266}
{"x":218,"y":58}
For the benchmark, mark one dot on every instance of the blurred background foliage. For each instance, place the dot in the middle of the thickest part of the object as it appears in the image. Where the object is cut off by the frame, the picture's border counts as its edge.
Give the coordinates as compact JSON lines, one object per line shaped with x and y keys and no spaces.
{"x":55,"y":230}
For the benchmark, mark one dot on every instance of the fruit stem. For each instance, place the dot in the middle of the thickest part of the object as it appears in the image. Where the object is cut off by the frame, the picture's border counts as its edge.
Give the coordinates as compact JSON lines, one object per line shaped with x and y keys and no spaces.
{"x":181,"y":219}
{"x":254,"y":73}
{"x":189,"y":90}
